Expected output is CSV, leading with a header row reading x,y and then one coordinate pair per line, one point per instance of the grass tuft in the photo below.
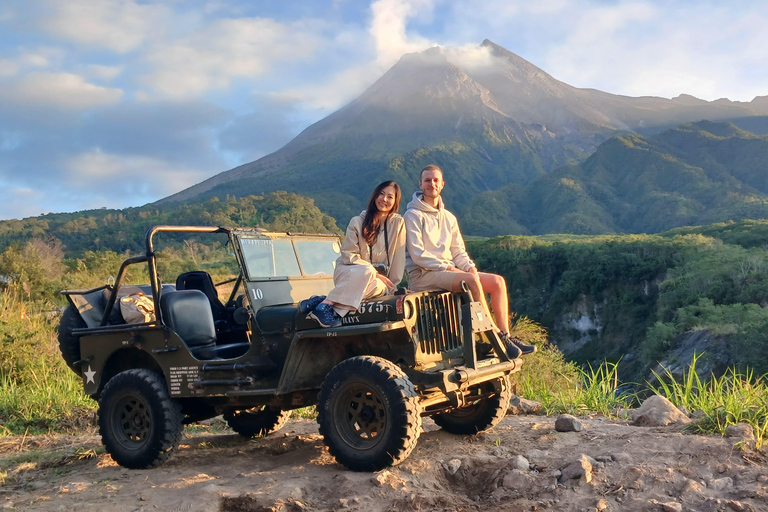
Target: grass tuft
x,y
38,393
734,397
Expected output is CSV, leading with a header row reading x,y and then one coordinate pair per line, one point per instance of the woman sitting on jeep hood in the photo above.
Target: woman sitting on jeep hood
x,y
372,259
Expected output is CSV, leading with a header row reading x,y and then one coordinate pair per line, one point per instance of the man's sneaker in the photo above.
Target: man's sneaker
x,y
512,351
522,347
325,315
311,303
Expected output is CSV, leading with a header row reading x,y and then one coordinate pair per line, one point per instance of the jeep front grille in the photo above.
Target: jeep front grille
x,y
438,323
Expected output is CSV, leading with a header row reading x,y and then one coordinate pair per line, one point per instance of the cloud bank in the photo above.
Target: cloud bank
x,y
122,102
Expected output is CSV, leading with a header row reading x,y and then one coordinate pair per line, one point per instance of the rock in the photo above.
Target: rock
x,y
604,458
517,480
590,460
697,416
622,457
535,454
567,423
672,506
691,486
521,463
389,479
522,406
601,505
739,506
657,411
452,466
740,430
581,468
500,451
721,483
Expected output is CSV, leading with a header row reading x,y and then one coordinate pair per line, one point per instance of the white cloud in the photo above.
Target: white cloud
x,y
334,93
118,25
63,90
104,72
21,202
224,51
664,52
8,67
129,175
389,28
388,31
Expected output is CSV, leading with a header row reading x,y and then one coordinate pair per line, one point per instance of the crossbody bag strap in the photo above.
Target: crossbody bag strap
x,y
386,246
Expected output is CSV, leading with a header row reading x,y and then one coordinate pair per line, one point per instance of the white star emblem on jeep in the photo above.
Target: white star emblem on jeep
x,y
89,375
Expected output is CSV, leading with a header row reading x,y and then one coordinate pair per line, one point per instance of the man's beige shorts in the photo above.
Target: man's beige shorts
x,y
421,280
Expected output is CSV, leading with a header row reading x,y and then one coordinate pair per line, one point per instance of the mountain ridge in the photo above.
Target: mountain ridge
x,y
491,121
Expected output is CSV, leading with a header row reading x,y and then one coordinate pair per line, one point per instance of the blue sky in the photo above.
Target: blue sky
x,y
121,102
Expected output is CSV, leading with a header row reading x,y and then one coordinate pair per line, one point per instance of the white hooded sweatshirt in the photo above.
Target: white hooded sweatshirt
x,y
433,240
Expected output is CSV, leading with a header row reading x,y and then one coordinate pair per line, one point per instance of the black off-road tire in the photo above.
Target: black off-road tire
x,y
69,344
479,415
369,413
257,421
140,424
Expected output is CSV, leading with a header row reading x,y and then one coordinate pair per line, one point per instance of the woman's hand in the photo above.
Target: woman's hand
x,y
386,281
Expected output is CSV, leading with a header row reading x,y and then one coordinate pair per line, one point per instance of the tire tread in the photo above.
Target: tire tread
x,y
406,412
171,421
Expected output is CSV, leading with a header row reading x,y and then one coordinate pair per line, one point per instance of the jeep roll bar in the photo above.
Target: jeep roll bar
x,y
154,281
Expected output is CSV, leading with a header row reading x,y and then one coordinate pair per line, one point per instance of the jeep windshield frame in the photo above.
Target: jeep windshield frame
x,y
286,256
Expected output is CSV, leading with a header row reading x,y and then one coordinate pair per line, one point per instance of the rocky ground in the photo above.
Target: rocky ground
x,y
522,464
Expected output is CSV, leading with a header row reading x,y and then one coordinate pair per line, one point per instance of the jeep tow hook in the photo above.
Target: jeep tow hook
x,y
459,376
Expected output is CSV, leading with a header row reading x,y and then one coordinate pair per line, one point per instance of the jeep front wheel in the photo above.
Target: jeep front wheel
x,y
368,413
480,414
140,424
257,421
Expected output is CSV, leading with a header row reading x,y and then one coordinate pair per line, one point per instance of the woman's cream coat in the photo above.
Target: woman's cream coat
x,y
354,277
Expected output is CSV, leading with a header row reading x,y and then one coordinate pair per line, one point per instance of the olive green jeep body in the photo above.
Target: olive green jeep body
x,y
255,357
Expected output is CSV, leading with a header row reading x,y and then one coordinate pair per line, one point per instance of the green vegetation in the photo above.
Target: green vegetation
x,y
124,230
634,298
562,386
500,181
38,392
735,397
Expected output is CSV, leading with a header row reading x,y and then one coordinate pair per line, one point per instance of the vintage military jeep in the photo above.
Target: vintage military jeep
x,y
255,357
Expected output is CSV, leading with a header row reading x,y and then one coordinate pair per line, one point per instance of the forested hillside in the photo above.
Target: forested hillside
x,y
640,298
124,230
699,173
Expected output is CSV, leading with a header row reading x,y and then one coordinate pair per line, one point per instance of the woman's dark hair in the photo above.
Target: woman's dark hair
x,y
372,222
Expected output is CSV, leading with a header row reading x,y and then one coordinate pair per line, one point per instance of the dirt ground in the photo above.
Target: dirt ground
x,y
636,468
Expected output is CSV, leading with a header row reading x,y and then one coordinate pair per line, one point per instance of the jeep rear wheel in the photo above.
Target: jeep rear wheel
x,y
368,413
140,424
480,414
257,421
69,344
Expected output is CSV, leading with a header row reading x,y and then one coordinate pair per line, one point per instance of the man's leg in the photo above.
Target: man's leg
x,y
475,286
496,287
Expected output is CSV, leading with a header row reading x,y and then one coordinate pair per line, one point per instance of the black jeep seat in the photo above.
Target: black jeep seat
x,y
188,314
200,280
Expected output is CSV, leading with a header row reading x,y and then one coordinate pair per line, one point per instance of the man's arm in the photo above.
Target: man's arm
x,y
414,241
461,259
